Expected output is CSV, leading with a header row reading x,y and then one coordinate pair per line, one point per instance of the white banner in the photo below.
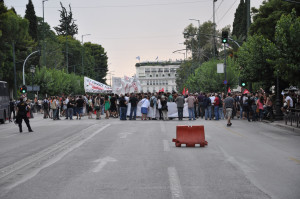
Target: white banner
x,y
92,86
126,85
172,110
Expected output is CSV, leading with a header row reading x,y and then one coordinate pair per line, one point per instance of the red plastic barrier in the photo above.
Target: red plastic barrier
x,y
190,135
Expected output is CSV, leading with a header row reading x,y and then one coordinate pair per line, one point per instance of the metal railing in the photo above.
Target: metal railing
x,y
293,117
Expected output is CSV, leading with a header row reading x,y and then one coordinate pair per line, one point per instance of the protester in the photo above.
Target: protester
x,y
145,107
97,107
228,105
153,104
106,106
216,106
22,109
133,108
191,100
260,104
123,107
159,107
164,108
180,105
207,106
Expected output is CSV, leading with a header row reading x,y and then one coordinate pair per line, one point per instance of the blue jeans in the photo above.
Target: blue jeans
x,y
54,114
217,112
123,113
191,113
70,113
241,112
132,110
221,113
208,112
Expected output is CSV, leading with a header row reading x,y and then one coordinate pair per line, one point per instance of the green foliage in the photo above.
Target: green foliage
x,y
287,37
57,82
264,21
67,24
240,21
31,17
207,79
253,62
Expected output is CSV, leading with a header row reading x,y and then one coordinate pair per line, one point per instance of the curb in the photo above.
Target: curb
x,y
283,126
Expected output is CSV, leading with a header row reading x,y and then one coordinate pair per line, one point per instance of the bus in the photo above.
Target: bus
x,y
4,102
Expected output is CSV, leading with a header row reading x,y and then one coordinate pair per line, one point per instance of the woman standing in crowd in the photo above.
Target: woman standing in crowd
x,y
106,106
159,107
260,105
145,107
164,108
90,107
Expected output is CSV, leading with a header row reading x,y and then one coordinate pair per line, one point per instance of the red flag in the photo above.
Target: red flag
x,y
229,91
246,91
183,92
187,91
162,90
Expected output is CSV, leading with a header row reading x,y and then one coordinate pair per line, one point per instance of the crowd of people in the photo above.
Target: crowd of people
x,y
250,106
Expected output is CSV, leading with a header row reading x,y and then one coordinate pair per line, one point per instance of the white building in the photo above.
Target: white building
x,y
155,76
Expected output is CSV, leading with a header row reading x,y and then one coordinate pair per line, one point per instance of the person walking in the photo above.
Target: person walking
x,y
22,109
180,105
133,102
191,103
228,105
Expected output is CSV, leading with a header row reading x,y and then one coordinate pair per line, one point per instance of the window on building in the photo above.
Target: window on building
x,y
160,70
163,75
147,82
156,75
153,70
166,70
147,70
172,70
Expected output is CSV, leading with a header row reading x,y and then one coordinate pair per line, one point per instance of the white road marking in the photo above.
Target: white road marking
x,y
102,162
166,145
124,135
56,158
175,184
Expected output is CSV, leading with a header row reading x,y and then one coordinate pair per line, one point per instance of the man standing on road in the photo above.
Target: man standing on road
x,y
228,105
133,102
180,105
22,109
191,100
80,104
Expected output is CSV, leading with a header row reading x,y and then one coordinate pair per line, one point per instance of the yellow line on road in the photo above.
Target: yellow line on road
x,y
295,160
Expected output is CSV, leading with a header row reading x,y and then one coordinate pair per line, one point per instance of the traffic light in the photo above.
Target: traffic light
x,y
243,84
23,89
224,37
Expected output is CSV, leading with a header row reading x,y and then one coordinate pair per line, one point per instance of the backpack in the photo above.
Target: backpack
x,y
151,103
45,104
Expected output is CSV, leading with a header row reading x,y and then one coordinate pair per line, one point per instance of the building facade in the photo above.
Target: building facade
x,y
155,76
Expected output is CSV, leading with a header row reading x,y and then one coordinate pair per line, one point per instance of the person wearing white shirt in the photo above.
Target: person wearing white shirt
x,y
145,104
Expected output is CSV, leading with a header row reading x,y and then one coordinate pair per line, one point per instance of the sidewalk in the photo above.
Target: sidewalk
x,y
281,124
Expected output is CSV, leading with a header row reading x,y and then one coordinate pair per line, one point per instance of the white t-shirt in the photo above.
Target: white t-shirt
x,y
212,99
145,103
291,101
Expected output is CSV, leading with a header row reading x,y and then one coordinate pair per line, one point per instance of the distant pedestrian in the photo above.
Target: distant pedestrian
x,y
133,102
12,106
106,106
153,104
46,108
123,107
180,105
145,107
191,103
164,108
70,107
228,105
207,106
80,103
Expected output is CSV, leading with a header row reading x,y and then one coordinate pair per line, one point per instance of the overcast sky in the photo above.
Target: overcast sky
x,y
131,28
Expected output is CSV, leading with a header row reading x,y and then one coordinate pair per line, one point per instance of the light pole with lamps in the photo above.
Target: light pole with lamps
x,y
32,70
82,52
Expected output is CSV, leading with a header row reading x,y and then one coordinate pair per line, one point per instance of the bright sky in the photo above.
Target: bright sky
x,y
131,28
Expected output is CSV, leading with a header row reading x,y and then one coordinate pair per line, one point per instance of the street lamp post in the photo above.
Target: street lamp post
x,y
43,54
82,52
32,70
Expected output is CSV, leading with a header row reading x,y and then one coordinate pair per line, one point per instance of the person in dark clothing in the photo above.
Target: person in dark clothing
x,y
12,109
22,109
80,103
123,107
133,101
200,105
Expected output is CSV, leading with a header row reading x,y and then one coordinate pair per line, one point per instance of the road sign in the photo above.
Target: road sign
x,y
225,82
220,68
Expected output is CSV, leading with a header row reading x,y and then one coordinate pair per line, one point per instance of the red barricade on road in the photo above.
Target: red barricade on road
x,y
190,135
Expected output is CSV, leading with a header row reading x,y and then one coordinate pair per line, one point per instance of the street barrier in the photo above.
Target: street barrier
x,y
190,135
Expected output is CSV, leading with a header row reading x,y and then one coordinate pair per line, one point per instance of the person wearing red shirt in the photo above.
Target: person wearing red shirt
x,y
216,105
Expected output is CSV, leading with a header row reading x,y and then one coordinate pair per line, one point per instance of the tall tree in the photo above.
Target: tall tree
x,y
240,21
67,24
31,17
266,17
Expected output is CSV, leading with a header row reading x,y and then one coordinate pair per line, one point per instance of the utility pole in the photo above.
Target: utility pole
x,y
248,15
67,57
15,73
214,21
43,52
225,69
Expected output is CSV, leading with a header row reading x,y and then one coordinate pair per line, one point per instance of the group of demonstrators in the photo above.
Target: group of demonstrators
x,y
209,106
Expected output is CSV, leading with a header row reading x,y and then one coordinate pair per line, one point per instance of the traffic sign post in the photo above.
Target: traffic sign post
x,y
225,82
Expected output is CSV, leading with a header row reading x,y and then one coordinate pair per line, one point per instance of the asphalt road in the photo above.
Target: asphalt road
x,y
137,159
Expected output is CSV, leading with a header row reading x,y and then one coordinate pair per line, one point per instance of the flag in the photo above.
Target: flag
x,y
246,91
183,92
156,58
187,91
229,91
138,58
